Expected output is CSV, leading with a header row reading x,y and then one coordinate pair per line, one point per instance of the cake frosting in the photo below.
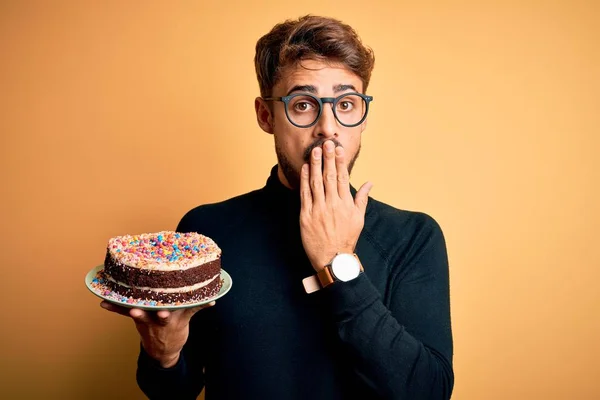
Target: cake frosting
x,y
165,266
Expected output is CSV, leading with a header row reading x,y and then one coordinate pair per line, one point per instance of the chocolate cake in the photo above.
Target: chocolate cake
x,y
167,267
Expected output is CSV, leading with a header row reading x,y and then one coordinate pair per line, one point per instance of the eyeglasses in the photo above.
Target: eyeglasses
x,y
304,109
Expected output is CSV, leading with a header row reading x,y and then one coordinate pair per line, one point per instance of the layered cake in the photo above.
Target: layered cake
x,y
166,267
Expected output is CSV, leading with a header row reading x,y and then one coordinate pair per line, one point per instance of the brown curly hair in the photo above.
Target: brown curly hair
x,y
310,37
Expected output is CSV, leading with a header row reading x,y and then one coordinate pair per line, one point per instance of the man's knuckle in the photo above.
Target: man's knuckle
x,y
343,178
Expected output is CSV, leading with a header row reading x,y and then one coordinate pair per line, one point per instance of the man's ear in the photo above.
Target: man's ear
x,y
263,115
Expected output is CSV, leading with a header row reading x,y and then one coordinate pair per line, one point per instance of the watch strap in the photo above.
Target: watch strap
x,y
311,284
321,279
325,276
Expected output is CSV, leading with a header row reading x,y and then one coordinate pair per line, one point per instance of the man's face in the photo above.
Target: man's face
x,y
293,144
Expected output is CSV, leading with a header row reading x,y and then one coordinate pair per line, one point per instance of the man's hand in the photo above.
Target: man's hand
x,y
162,333
330,219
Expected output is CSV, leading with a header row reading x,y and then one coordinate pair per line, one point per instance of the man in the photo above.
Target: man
x,y
335,295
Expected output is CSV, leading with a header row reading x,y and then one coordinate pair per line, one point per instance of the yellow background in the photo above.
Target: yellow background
x,y
118,116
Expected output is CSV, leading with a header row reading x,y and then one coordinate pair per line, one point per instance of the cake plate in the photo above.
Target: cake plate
x,y
94,282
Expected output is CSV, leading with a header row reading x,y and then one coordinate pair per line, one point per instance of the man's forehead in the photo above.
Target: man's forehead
x,y
319,76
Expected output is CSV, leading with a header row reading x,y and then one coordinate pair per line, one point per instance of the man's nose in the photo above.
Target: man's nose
x,y
327,125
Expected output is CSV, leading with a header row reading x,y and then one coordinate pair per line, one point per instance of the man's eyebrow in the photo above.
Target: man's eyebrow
x,y
342,87
303,88
313,89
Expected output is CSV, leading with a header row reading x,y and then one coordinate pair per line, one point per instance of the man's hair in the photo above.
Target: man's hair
x,y
310,37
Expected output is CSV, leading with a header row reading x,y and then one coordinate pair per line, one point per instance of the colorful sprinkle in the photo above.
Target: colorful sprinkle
x,y
150,250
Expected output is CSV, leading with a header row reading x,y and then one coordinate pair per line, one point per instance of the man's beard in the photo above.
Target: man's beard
x,y
293,175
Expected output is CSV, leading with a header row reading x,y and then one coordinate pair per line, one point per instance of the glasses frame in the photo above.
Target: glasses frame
x,y
323,100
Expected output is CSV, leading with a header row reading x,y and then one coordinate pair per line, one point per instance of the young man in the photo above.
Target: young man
x,y
335,295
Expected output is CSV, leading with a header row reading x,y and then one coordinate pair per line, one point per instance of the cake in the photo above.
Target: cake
x,y
166,267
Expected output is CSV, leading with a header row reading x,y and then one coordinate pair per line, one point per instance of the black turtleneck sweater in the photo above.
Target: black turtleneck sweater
x,y
385,334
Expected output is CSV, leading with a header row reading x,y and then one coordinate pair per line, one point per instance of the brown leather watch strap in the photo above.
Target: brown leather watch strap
x,y
325,277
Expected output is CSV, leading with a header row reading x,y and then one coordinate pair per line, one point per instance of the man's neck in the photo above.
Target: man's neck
x,y
282,178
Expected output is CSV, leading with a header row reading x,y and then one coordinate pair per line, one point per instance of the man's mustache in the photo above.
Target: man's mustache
x,y
318,143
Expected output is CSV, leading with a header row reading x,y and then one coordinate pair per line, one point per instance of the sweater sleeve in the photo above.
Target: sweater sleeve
x,y
401,345
177,382
185,380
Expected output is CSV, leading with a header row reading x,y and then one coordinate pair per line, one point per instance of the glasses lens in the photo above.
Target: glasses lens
x,y
350,109
303,110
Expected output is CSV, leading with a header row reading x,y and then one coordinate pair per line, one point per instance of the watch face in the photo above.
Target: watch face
x,y
345,267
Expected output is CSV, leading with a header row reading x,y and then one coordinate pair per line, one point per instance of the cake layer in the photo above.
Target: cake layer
x,y
210,289
152,278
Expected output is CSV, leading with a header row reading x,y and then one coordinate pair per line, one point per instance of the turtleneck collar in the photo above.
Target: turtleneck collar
x,y
281,195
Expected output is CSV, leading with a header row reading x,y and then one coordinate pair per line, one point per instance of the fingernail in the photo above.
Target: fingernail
x,y
329,146
339,150
317,152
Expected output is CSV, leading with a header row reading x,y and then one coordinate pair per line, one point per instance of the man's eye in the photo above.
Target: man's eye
x,y
345,105
303,106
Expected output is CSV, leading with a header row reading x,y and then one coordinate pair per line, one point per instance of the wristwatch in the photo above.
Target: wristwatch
x,y
343,267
